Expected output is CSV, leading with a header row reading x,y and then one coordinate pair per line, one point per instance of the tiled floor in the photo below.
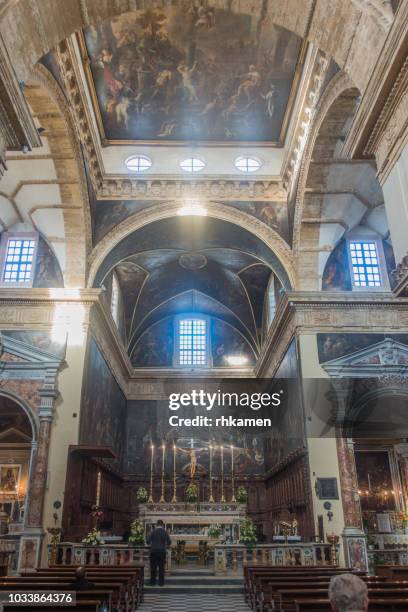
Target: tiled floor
x,y
181,602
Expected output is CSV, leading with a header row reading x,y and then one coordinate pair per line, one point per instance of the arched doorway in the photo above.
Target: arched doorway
x,y
18,442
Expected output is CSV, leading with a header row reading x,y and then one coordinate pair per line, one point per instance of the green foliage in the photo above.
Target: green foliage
x,y
192,493
248,533
241,495
93,538
142,495
214,531
137,533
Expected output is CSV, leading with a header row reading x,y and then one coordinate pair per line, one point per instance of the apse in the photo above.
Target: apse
x,y
203,266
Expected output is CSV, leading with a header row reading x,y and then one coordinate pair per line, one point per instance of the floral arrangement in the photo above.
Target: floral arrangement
x,y
96,512
137,535
248,533
142,495
192,493
241,495
93,538
214,531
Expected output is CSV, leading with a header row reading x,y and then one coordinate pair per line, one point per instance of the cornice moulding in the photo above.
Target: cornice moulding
x,y
384,88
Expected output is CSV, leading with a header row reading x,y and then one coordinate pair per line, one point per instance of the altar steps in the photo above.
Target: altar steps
x,y
162,601
198,582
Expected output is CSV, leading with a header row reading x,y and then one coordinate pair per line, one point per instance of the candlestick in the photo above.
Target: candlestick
x,y
174,500
232,475
222,476
98,488
211,500
151,475
162,478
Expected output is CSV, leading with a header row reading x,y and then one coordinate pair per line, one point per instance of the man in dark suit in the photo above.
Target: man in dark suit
x,y
158,540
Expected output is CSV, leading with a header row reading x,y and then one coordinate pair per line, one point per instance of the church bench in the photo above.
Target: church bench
x,y
393,572
285,600
136,571
86,605
267,587
109,596
252,573
134,575
376,605
122,595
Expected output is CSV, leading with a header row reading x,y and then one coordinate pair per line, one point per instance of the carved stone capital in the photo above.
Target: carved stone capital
x,y
400,275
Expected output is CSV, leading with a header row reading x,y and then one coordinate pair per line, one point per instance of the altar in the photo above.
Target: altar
x,y
191,522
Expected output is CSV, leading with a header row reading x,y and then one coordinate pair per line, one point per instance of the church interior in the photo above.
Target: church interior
x,y
204,195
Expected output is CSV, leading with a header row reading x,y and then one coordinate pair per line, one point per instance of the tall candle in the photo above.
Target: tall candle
x,y
232,475
151,474
222,475
98,488
162,479
211,500
174,474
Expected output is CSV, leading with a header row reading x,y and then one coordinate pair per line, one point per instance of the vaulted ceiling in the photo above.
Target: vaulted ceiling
x,y
193,264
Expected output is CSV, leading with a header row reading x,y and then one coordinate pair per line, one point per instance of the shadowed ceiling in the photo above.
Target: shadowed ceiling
x,y
192,72
202,265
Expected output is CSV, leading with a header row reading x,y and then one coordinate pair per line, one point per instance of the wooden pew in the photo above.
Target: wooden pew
x,y
267,589
98,595
287,597
393,572
135,571
253,573
377,605
131,576
121,597
90,605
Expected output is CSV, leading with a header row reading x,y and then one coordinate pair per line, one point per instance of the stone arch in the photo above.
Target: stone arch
x,y
334,111
27,409
169,209
360,25
49,104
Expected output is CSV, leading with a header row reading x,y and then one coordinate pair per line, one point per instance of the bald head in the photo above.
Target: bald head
x,y
348,593
80,572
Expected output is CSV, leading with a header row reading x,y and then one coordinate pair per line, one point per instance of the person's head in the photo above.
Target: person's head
x,y
348,593
160,523
80,572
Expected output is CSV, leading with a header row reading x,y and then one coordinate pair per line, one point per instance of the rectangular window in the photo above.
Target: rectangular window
x,y
18,264
365,264
193,342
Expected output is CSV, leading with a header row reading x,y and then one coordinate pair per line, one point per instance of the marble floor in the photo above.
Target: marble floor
x,y
163,601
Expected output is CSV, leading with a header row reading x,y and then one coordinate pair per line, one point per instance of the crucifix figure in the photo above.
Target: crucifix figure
x,y
192,453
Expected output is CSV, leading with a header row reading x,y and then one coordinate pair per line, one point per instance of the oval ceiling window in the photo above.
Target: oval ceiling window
x,y
192,164
138,163
247,164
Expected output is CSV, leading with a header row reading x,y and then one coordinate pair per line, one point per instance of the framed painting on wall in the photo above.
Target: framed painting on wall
x,y
9,478
29,553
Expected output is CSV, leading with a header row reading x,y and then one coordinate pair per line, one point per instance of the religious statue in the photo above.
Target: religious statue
x,y
193,455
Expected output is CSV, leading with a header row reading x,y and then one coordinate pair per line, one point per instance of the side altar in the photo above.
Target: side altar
x,y
191,522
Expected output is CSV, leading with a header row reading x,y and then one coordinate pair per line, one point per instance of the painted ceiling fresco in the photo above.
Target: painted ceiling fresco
x,y
192,72
332,346
273,214
107,214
